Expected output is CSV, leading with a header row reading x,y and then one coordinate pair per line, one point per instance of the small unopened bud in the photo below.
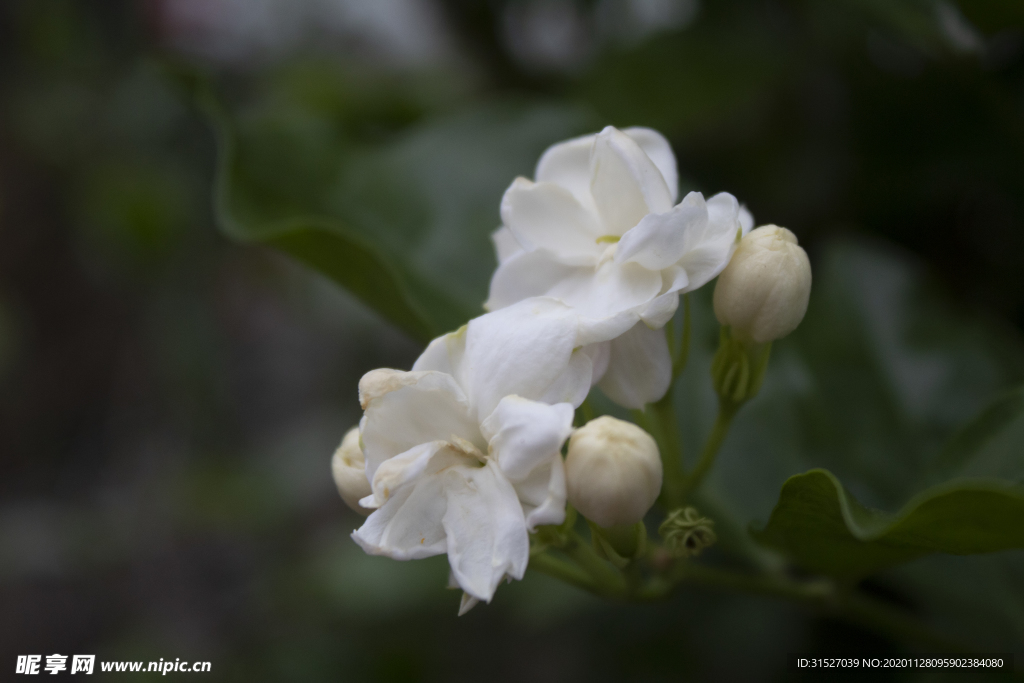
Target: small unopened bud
x,y
612,472
762,294
349,469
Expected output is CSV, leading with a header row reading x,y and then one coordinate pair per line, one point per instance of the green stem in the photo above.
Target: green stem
x,y
593,574
725,579
588,410
643,420
663,416
670,338
559,569
726,411
671,449
679,364
608,580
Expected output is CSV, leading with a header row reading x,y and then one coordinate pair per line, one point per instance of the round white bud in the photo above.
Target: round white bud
x,y
612,472
762,294
349,469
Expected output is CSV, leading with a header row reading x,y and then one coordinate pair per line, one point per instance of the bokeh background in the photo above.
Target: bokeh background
x,y
170,397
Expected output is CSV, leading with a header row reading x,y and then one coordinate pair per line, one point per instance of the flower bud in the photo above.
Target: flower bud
x,y
349,469
612,472
762,294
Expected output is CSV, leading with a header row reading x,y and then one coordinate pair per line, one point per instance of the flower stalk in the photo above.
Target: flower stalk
x,y
683,354
546,563
663,416
821,595
727,409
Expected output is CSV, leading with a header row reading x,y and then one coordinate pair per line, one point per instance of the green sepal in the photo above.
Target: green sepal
x,y
737,370
619,544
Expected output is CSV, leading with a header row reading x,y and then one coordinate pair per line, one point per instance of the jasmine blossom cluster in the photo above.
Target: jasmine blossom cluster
x,y
462,455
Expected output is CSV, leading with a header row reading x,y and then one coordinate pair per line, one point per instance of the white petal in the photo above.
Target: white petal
x,y
417,408
485,527
660,240
408,525
724,214
377,383
625,183
543,494
405,469
674,279
708,253
568,165
608,291
640,369
607,298
525,349
505,244
547,216
444,354
525,275
657,148
597,330
599,354
525,434
661,309
573,385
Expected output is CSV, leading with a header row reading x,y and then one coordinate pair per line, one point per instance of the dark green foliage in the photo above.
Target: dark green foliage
x,y
821,527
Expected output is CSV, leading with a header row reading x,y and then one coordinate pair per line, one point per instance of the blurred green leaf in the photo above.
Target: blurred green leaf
x,y
819,525
992,444
403,224
266,193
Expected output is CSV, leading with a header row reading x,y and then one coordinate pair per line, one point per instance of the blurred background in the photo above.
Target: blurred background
x,y
170,398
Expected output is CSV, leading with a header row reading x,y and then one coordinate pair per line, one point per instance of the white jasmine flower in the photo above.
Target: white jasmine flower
x,y
463,452
600,230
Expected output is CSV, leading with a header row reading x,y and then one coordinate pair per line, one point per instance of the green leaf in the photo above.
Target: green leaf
x,y
991,445
819,525
356,266
402,222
